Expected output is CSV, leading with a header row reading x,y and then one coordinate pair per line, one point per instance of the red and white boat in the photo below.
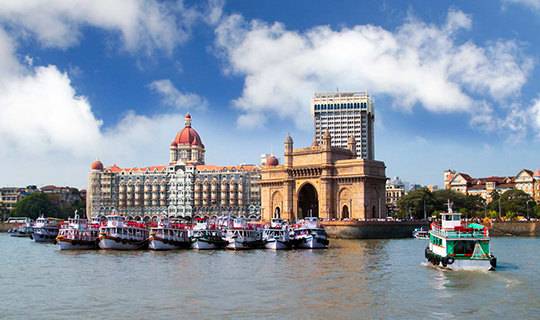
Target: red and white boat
x,y
243,236
277,235
206,235
167,234
78,234
117,233
309,235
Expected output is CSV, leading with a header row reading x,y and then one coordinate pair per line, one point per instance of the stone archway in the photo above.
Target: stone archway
x,y
345,212
345,200
277,213
308,202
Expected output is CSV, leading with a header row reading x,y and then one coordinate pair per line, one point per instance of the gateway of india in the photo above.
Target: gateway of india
x,y
187,187
335,178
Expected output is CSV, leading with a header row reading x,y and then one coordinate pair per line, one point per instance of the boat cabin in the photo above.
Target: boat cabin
x,y
450,220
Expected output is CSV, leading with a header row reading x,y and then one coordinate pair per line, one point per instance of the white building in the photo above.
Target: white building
x,y
345,114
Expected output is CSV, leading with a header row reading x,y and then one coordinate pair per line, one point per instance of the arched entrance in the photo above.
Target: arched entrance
x,y
277,213
345,212
308,202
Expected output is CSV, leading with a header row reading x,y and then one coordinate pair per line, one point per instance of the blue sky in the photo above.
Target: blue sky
x,y
456,84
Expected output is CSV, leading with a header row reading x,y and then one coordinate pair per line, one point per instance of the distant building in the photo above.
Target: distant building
x,y
345,114
433,188
525,180
395,189
62,196
414,186
11,195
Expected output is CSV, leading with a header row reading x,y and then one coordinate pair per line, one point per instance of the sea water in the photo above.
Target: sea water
x,y
352,279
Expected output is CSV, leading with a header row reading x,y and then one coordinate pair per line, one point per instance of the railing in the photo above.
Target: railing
x,y
460,232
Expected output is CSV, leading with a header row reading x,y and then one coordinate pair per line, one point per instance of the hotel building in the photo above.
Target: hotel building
x,y
186,187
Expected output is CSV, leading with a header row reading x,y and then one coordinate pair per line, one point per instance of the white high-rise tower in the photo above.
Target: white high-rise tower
x,y
345,114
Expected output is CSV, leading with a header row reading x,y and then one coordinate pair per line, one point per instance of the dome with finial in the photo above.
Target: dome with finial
x,y
272,161
188,135
326,134
288,139
97,165
314,144
537,174
352,140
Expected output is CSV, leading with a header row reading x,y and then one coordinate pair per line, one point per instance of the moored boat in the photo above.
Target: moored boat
x,y
24,230
455,244
241,236
78,234
46,229
309,235
420,233
206,235
168,234
117,233
277,235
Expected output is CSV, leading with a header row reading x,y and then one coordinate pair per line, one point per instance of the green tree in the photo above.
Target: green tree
x,y
414,203
34,204
493,214
516,201
510,215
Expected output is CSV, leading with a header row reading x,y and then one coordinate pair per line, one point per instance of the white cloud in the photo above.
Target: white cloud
x,y
419,63
171,96
533,4
48,132
141,25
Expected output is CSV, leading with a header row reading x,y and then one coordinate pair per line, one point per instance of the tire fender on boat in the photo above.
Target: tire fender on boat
x,y
450,260
444,261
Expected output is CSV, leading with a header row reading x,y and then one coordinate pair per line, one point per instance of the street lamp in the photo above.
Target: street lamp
x,y
528,200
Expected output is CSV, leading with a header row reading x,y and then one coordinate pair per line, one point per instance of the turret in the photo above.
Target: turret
x,y
288,151
351,144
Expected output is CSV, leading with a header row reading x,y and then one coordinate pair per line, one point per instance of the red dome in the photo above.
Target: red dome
x,y
272,161
97,165
188,136
188,116
174,144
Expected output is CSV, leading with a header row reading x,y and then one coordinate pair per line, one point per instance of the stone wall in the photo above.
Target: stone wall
x,y
372,229
4,227
514,228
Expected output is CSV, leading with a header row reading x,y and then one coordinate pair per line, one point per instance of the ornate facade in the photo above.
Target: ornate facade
x,y
323,181
525,180
184,188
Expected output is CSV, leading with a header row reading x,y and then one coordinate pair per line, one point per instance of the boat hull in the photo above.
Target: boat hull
x,y
156,243
276,244
311,243
44,236
20,235
115,243
68,244
205,244
244,244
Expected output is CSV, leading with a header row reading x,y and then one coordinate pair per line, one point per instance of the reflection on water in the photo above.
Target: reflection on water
x,y
352,279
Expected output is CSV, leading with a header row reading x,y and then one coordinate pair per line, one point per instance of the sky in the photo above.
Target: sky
x,y
456,84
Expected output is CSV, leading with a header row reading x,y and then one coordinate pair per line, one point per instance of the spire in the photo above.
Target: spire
x,y
188,120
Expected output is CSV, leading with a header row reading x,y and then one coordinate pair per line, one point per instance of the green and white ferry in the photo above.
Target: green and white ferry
x,y
456,245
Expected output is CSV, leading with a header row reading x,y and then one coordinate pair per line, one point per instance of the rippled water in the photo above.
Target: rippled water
x,y
353,279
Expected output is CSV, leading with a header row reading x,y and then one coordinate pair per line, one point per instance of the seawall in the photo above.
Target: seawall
x,y
4,227
373,229
514,228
